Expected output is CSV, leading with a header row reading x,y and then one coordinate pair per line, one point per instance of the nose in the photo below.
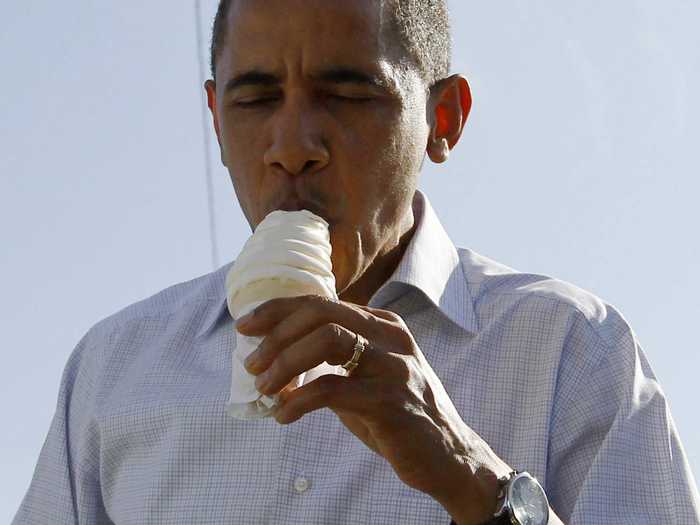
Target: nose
x,y
297,144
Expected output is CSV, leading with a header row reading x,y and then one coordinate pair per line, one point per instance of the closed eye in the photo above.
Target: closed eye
x,y
345,98
255,101
258,102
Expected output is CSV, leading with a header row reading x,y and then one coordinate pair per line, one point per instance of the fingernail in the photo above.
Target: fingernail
x,y
245,319
262,380
251,361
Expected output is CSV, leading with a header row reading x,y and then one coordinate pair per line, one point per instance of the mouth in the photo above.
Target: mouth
x,y
300,204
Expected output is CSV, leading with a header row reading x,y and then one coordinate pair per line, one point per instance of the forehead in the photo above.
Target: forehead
x,y
303,34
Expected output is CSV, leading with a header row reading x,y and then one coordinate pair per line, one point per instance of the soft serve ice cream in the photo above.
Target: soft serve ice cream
x,y
289,254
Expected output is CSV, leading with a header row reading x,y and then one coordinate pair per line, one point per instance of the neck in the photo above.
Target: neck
x,y
362,290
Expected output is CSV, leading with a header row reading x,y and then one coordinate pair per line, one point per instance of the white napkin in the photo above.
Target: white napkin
x,y
245,402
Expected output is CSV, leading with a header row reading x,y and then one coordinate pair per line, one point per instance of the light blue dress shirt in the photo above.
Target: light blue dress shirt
x,y
551,376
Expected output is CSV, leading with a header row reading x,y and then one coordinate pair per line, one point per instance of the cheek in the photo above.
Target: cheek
x,y
396,141
241,143
244,152
365,127
368,155
405,153
248,180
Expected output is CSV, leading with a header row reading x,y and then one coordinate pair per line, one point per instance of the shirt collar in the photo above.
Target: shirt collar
x,y
430,264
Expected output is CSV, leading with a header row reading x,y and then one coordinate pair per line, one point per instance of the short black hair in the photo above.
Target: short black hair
x,y
422,28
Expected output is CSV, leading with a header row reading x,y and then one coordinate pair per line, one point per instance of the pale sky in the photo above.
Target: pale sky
x,y
579,161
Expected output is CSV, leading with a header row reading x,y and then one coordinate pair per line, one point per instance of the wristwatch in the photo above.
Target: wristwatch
x,y
521,501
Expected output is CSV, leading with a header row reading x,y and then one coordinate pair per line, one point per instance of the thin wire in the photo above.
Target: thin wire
x,y
205,133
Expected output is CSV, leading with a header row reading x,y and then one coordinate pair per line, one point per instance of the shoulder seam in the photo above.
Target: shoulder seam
x,y
586,314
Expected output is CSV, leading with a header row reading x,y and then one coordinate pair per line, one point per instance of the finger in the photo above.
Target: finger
x,y
387,315
310,313
331,343
335,392
268,314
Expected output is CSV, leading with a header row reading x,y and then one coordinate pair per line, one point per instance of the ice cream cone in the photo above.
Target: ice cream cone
x,y
287,256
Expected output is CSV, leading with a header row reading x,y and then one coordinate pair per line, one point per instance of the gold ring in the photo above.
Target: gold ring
x,y
360,344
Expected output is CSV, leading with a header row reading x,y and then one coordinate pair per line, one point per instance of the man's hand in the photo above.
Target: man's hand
x,y
393,401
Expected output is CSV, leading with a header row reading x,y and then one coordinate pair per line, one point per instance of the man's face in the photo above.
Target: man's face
x,y
312,111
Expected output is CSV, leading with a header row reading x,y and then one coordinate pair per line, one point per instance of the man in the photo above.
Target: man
x,y
466,369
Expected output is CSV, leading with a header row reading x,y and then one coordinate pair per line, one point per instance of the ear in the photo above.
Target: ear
x,y
210,88
449,105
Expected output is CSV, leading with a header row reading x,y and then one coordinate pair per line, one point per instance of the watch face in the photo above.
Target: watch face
x,y
528,501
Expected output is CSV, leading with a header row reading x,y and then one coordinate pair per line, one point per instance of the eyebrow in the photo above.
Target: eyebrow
x,y
335,75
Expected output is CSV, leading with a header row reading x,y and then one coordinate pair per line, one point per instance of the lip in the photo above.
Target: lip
x,y
291,205
297,205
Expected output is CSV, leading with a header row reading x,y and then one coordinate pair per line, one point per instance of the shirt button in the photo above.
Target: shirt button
x,y
301,484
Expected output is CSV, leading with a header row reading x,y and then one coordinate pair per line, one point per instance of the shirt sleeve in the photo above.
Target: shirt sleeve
x,y
615,456
65,487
